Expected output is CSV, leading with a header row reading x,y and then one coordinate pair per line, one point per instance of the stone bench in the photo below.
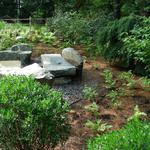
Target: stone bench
x,y
57,65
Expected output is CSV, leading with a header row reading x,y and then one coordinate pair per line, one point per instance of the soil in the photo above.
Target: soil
x,y
115,116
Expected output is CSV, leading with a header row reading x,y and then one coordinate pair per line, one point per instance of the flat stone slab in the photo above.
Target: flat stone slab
x,y
57,65
11,63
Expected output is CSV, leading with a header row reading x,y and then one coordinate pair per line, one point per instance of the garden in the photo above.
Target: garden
x,y
108,107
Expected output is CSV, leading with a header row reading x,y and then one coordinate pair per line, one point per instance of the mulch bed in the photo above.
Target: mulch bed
x,y
115,116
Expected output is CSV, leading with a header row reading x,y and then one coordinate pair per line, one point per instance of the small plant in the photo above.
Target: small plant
x,y
113,95
127,79
109,81
32,116
93,108
89,93
137,114
97,126
145,82
96,66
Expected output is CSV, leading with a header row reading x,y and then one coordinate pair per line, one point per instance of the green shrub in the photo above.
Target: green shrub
x,y
134,136
32,116
126,42
72,27
78,28
108,36
136,46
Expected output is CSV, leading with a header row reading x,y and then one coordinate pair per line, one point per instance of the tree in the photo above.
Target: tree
x,y
8,8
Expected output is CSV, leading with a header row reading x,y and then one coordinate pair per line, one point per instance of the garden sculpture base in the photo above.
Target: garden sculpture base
x,y
57,65
21,52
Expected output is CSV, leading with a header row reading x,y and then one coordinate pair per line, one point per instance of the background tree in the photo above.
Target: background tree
x,y
8,8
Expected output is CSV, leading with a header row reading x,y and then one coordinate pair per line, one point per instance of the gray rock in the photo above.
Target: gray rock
x,y
21,52
74,58
57,65
21,47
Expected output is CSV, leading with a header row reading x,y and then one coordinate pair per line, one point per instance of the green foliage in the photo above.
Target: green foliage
x,y
113,96
109,81
89,93
134,136
32,116
127,79
137,114
145,82
97,126
96,66
108,36
93,108
36,8
8,8
71,26
136,46
10,32
126,41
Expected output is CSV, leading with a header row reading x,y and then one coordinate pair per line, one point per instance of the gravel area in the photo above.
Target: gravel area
x,y
72,92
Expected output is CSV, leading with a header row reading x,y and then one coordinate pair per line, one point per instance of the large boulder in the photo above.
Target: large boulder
x,y
57,65
74,58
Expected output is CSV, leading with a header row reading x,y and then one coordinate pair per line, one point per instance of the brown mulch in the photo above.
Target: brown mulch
x,y
115,116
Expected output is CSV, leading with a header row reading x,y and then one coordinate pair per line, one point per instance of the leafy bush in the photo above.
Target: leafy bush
x,y
71,26
126,42
108,36
134,136
136,46
32,116
78,28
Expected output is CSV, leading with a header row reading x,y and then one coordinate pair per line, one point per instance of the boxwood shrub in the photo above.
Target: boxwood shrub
x,y
32,116
134,136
